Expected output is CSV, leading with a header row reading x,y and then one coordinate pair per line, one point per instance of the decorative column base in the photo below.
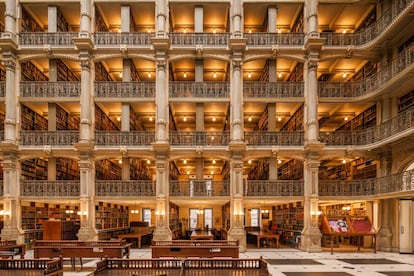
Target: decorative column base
x,y
87,234
311,240
12,234
161,234
238,234
384,237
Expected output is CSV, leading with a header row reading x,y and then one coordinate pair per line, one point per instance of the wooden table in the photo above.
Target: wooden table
x,y
137,236
202,235
354,234
263,234
10,249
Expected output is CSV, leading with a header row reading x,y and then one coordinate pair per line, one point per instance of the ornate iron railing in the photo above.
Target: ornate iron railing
x,y
46,188
124,138
282,89
120,89
1,187
199,188
186,89
135,39
369,84
371,32
203,39
48,138
199,138
125,188
37,39
2,89
49,89
402,122
273,188
269,39
267,138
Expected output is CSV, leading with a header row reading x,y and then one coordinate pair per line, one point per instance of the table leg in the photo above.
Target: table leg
x,y
258,242
139,242
332,242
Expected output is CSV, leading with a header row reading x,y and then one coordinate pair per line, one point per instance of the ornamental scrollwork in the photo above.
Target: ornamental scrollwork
x,y
313,64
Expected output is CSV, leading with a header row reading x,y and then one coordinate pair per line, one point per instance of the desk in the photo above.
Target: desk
x,y
202,235
13,249
262,234
358,235
137,236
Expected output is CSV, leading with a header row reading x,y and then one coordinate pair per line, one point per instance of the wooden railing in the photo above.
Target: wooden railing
x,y
44,266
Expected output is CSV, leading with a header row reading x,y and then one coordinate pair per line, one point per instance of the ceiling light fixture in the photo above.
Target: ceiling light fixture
x,y
118,119
249,119
344,31
214,75
249,75
150,119
148,161
120,161
214,161
185,119
250,161
214,118
344,75
279,118
346,118
343,161
280,75
279,161
250,31
214,31
185,30
149,75
185,75
185,161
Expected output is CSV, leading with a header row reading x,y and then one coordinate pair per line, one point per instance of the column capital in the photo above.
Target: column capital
x,y
9,62
313,64
85,63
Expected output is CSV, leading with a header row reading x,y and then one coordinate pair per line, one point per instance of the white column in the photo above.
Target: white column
x,y
161,101
86,132
10,17
125,19
9,62
161,14
236,16
272,19
52,19
85,17
311,13
311,102
236,100
87,194
126,109
162,230
198,19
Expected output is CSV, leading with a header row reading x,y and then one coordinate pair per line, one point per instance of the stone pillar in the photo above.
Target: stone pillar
x,y
126,109
10,18
161,101
125,19
236,100
87,194
9,61
198,19
85,18
311,101
52,19
311,235
51,168
199,162
161,15
385,233
386,110
86,127
311,15
236,18
162,230
272,19
126,166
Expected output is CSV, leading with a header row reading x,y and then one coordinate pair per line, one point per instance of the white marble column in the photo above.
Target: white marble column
x,y
236,26
161,101
311,102
272,19
10,18
236,99
52,19
125,18
198,19
162,230
126,109
86,131
85,18
161,15
87,195
9,62
311,14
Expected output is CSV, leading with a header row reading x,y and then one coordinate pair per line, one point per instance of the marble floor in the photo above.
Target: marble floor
x,y
292,262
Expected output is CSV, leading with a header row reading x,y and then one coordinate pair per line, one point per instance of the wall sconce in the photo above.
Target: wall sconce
x,y
239,218
214,75
82,213
4,213
69,211
249,75
346,208
200,211
134,211
264,211
185,75
316,213
149,75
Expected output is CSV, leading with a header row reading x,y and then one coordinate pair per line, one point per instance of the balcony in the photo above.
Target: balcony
x,y
269,39
49,138
199,138
366,86
200,39
264,188
404,121
281,138
117,39
38,39
46,188
197,90
199,188
118,89
370,33
125,188
255,89
2,89
49,89
124,138
1,187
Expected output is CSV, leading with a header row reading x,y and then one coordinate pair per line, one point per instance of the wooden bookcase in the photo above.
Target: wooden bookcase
x,y
66,121
60,230
64,73
364,168
295,122
101,74
28,23
260,171
291,170
32,120
111,216
67,169
100,24
297,27
174,172
103,122
365,119
174,223
287,220
135,121
263,122
405,102
225,217
297,73
107,170
30,72
139,170
34,169
62,23
264,74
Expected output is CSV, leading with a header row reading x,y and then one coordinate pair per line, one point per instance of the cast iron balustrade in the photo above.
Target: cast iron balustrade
x,y
125,188
1,187
371,32
271,138
124,138
404,121
199,138
1,135
116,39
368,85
2,89
120,89
401,182
273,188
269,39
49,138
39,39
186,89
47,188
281,89
199,188
49,89
196,39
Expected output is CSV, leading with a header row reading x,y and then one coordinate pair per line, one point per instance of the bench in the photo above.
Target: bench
x,y
136,236
195,248
31,267
228,266
258,235
10,248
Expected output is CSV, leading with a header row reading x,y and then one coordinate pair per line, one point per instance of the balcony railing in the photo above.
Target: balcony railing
x,y
124,138
368,187
49,138
199,138
46,188
37,39
281,138
185,89
1,188
283,89
203,188
2,89
118,89
371,32
116,39
195,39
402,122
369,84
49,89
125,188
269,39
273,188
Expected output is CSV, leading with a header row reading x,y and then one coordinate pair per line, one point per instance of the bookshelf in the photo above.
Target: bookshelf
x,y
263,122
287,221
264,74
28,23
103,122
135,123
107,170
2,74
225,217
139,170
100,23
64,73
291,170
366,119
32,120
174,172
62,23
174,223
406,101
260,171
364,168
67,169
34,169
111,216
295,122
297,27
66,121
297,73
101,74
30,72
